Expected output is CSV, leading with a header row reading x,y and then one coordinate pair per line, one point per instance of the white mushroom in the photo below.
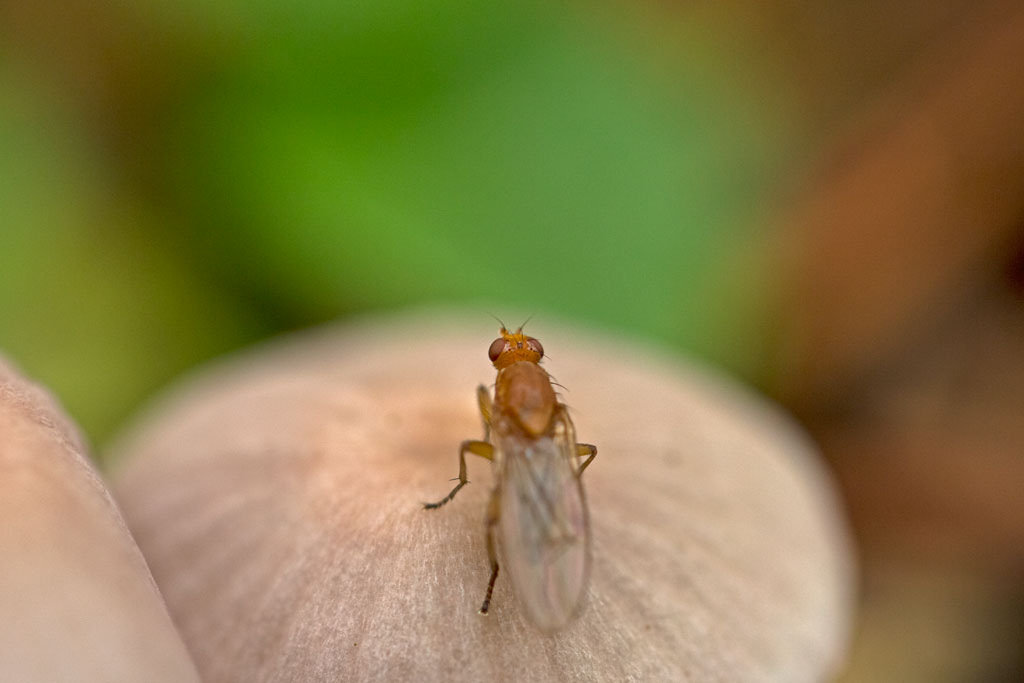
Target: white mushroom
x,y
77,602
277,499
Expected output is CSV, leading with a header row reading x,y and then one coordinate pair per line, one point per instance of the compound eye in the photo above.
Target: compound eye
x,y
535,345
497,346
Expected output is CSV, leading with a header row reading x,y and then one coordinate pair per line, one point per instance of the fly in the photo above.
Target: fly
x,y
537,509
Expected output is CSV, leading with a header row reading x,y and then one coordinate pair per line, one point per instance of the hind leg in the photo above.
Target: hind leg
x,y
493,514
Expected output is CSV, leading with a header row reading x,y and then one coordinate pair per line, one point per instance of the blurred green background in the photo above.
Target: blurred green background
x,y
825,198
180,179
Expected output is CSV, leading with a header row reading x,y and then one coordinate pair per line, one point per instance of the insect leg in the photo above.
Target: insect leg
x,y
483,399
585,449
481,448
582,449
493,514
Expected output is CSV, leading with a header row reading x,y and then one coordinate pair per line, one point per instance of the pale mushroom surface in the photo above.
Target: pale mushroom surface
x,y
77,602
278,498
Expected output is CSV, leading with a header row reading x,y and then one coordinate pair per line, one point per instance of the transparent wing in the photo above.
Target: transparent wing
x,y
545,536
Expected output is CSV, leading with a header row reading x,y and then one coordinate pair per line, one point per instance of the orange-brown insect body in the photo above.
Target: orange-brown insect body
x,y
537,507
523,390
523,393
512,347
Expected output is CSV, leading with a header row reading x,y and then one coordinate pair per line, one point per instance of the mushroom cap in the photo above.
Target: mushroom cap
x,y
76,599
277,498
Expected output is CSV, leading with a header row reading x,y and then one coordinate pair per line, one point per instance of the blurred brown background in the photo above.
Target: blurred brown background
x,y
849,234
902,341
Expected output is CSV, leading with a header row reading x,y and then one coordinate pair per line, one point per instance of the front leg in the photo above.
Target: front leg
x,y
481,448
483,400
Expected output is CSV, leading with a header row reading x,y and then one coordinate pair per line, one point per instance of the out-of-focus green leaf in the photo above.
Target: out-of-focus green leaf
x,y
90,303
302,160
374,156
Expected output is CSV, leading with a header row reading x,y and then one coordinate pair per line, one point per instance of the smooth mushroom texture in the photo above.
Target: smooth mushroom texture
x,y
278,500
77,602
